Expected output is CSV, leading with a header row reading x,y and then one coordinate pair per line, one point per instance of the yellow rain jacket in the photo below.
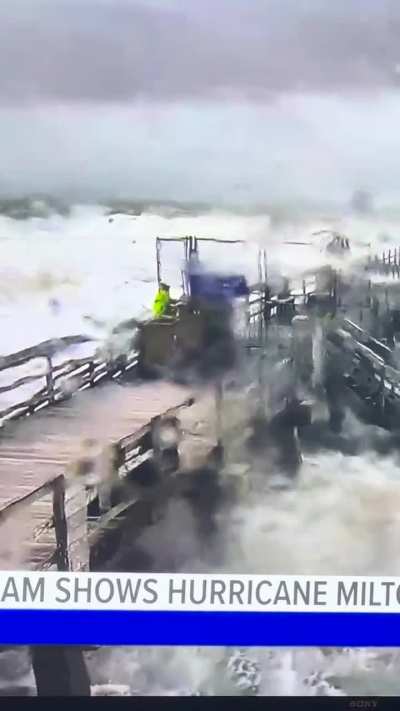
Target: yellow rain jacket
x,y
161,303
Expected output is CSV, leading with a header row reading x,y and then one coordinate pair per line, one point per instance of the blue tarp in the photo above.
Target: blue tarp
x,y
216,288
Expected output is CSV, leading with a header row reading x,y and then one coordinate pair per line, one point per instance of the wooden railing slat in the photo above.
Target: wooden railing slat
x,y
41,350
20,382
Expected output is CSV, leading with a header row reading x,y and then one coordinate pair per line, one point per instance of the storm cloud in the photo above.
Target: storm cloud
x,y
203,100
124,50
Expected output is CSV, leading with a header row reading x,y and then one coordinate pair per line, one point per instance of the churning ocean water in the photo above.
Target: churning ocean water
x,y
83,273
57,270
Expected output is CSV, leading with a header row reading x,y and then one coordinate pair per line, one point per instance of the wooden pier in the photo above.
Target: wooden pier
x,y
67,452
60,469
82,453
78,462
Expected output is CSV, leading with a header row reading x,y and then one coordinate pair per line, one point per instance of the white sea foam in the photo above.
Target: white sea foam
x,y
341,518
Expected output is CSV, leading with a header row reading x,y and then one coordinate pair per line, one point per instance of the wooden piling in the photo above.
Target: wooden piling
x,y
77,528
60,671
107,474
49,379
60,524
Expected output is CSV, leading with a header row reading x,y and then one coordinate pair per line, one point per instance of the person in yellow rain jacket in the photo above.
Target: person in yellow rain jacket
x,y
162,302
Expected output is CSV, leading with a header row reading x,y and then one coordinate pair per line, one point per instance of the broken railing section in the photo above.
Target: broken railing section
x,y
61,380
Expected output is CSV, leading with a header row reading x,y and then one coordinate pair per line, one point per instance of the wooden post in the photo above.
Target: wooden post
x,y
77,528
91,373
218,408
60,671
166,458
382,392
49,379
70,523
60,524
265,265
158,257
107,474
369,291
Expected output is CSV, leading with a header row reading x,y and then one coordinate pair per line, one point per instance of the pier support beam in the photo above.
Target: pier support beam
x,y
335,401
60,671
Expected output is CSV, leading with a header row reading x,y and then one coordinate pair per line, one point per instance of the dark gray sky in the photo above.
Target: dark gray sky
x,y
103,50
200,99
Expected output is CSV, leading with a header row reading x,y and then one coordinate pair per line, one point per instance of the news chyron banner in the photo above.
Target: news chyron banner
x,y
198,610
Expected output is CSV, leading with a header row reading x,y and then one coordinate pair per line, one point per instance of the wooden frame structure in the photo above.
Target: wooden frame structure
x,y
191,246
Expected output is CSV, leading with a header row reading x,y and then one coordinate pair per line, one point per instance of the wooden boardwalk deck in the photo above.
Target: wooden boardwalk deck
x,y
49,443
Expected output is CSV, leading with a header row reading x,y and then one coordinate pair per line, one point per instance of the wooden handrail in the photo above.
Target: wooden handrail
x,y
123,454
41,350
20,382
27,499
56,486
88,371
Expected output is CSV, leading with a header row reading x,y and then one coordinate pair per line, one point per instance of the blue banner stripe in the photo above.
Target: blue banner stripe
x,y
243,629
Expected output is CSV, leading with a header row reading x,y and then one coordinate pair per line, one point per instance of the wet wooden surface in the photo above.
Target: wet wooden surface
x,y
40,447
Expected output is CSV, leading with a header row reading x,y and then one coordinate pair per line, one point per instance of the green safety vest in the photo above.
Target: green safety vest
x,y
161,303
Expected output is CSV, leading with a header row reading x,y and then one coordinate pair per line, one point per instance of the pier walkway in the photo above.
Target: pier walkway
x,y
53,464
68,450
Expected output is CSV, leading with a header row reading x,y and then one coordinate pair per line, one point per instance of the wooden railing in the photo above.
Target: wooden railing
x,y
261,309
364,338
387,263
60,380
74,531
368,351
56,487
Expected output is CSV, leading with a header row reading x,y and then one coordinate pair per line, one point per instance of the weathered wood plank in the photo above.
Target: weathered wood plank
x,y
48,443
